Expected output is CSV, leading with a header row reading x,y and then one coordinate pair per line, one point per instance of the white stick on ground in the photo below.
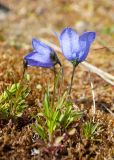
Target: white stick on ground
x,y
106,76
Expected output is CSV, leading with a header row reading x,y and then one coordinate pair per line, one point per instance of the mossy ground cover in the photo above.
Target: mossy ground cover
x,y
18,140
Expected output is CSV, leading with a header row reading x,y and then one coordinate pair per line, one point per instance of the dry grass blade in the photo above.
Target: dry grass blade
x,y
104,75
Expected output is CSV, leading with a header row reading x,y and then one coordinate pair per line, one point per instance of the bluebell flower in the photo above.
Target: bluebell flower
x,y
41,56
74,47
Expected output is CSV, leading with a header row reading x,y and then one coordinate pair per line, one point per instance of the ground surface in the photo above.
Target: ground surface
x,y
26,19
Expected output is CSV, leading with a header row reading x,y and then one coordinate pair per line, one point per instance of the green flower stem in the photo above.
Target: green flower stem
x,y
75,64
70,88
24,68
61,84
56,82
54,87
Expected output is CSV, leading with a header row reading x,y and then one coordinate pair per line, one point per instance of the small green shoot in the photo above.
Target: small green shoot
x,y
12,101
69,115
52,118
90,129
39,129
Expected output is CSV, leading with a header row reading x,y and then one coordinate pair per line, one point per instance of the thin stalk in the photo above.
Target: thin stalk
x,y
56,83
60,77
70,88
54,90
50,138
23,74
24,69
93,96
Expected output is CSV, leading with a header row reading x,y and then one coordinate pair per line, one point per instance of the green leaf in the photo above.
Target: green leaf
x,y
40,130
90,129
46,105
13,98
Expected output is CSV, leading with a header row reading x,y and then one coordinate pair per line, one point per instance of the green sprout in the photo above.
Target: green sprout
x,y
12,101
52,117
90,130
69,115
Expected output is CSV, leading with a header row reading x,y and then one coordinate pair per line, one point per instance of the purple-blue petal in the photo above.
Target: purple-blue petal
x,y
41,47
83,54
31,62
85,41
36,59
69,42
88,36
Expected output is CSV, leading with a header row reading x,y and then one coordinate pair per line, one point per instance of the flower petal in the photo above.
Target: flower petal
x,y
85,41
83,54
36,59
41,47
88,36
69,42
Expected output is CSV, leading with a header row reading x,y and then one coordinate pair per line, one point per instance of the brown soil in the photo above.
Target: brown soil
x,y
27,19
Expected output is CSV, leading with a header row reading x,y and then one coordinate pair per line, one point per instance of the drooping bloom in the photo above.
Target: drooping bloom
x,y
74,47
41,56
